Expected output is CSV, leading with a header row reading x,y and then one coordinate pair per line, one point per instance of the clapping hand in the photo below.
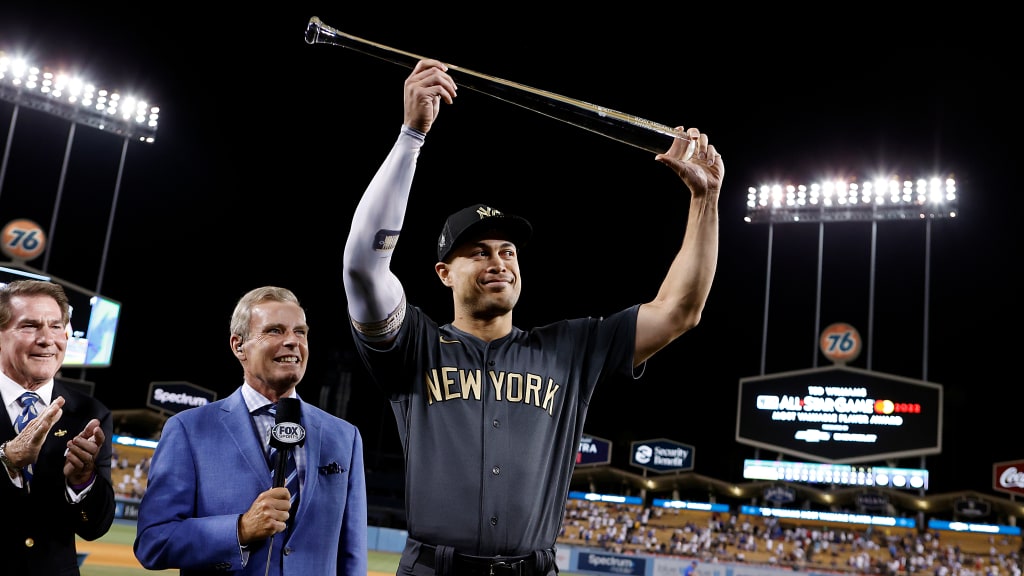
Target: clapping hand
x,y
80,457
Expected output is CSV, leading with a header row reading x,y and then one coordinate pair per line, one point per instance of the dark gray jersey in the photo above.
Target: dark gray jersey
x,y
490,430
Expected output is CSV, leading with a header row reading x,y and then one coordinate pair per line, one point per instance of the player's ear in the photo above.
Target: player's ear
x,y
443,272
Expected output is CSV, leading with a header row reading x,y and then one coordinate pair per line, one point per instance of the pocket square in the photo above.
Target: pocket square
x,y
331,468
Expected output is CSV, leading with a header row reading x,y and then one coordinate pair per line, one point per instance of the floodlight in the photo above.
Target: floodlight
x,y
843,200
76,100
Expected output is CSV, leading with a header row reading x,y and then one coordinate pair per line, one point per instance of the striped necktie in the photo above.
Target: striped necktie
x,y
291,480
29,411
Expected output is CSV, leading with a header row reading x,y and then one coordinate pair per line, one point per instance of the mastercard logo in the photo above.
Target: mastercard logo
x,y
890,407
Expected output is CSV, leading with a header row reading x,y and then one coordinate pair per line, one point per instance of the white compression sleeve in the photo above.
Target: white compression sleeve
x,y
375,295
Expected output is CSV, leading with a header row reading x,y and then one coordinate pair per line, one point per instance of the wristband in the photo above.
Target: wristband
x,y
417,134
84,485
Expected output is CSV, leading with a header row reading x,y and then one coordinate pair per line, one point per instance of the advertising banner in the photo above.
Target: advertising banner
x,y
593,451
174,397
661,455
1008,477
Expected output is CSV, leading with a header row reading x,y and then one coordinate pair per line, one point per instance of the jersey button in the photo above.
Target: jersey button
x,y
496,470
494,520
496,423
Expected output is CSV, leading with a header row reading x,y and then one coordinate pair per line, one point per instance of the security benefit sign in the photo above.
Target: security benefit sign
x,y
661,455
840,415
174,397
594,451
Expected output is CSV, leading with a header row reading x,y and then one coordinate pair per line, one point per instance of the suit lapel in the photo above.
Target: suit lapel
x,y
72,410
6,429
312,454
70,423
238,425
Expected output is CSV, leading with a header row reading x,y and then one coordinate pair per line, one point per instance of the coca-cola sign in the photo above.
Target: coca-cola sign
x,y
1008,477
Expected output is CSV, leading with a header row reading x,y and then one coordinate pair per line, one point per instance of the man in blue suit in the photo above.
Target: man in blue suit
x,y
211,506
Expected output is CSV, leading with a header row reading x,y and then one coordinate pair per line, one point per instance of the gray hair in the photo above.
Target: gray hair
x,y
242,315
28,288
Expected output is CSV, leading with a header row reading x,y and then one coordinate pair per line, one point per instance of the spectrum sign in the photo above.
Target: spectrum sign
x,y
840,415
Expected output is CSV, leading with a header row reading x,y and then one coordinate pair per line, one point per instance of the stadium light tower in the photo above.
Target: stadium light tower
x,y
881,199
79,102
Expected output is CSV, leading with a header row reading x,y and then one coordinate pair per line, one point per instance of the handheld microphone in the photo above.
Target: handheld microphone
x,y
286,434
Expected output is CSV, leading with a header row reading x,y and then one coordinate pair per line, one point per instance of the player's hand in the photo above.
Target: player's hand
x,y
696,162
267,516
24,448
80,457
425,88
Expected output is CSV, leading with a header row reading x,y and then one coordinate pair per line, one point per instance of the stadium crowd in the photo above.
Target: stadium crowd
x,y
716,537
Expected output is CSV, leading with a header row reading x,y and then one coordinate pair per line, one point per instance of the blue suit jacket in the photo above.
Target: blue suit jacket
x,y
209,467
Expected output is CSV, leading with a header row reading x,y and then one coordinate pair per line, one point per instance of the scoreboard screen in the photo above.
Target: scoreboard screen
x,y
840,415
93,324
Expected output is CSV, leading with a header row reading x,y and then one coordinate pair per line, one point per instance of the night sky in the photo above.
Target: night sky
x,y
265,144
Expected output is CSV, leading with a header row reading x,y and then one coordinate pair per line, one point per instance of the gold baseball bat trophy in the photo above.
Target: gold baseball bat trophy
x,y
644,134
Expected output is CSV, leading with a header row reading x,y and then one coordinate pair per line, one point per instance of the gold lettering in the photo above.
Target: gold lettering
x,y
498,381
549,398
514,387
533,384
433,388
450,383
471,384
487,212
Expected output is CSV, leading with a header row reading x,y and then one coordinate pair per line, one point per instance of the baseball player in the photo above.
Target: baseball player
x,y
490,416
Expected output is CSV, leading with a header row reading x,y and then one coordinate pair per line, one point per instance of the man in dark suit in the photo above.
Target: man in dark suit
x,y
57,467
211,505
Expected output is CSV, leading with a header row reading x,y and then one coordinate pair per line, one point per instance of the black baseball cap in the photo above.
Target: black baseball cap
x,y
476,219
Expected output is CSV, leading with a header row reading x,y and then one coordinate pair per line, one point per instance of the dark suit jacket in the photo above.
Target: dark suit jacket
x,y
209,467
40,525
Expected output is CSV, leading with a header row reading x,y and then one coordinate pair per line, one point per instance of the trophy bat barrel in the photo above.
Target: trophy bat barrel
x,y
626,128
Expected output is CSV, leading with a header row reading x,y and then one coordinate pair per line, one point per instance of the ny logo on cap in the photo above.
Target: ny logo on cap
x,y
487,212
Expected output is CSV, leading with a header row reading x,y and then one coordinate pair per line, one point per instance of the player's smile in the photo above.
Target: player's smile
x,y
499,283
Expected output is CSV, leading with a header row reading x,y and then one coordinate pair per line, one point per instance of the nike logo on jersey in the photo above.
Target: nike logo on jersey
x,y
447,341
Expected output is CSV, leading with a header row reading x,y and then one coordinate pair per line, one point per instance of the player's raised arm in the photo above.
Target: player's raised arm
x,y
684,291
375,296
